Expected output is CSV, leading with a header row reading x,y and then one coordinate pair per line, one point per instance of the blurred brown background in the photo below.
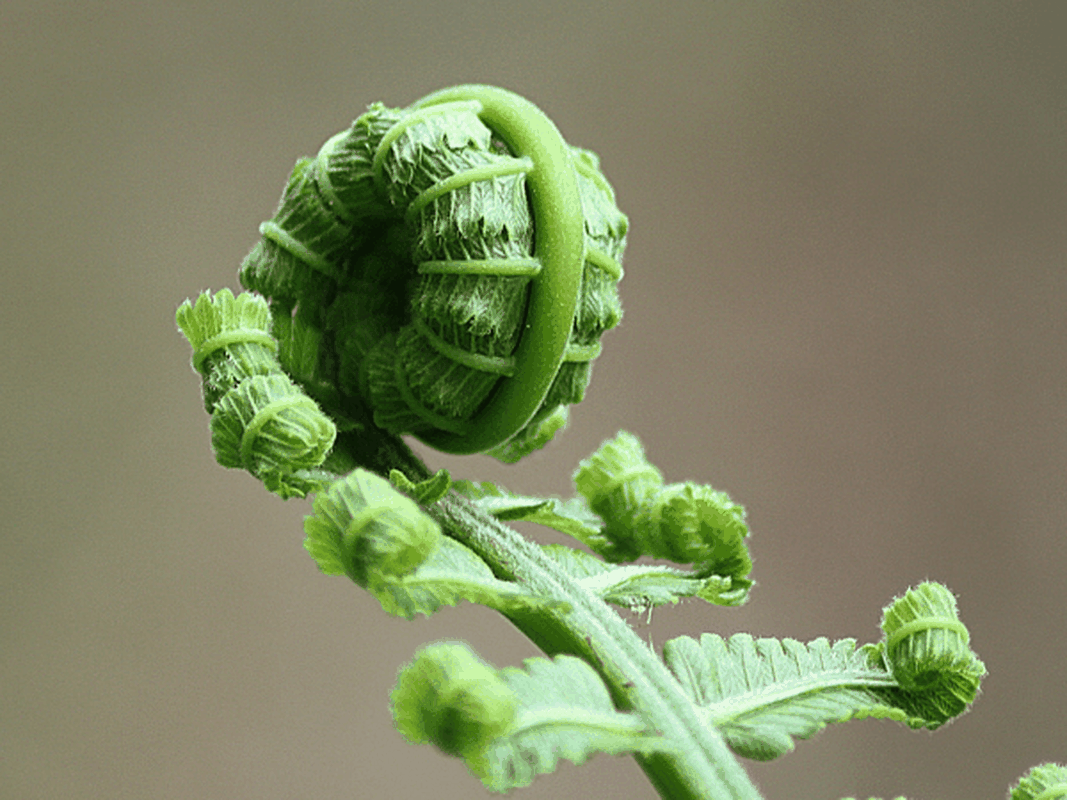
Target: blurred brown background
x,y
845,304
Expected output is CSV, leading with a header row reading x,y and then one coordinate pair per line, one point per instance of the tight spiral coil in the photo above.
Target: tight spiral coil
x,y
444,270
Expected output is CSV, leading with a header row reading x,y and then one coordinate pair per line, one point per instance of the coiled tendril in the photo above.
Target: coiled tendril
x,y
444,270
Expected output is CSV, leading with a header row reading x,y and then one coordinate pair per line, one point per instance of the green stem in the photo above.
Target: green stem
x,y
702,766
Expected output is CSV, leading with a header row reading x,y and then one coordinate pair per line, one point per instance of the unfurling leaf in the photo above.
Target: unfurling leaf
x,y
260,419
513,724
364,528
763,693
684,522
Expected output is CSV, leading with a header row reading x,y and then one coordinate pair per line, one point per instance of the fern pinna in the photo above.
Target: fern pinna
x,y
446,270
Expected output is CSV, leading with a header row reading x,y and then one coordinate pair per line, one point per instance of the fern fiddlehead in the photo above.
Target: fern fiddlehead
x,y
445,270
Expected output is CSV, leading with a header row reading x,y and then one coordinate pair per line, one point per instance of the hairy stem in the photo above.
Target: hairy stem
x,y
702,766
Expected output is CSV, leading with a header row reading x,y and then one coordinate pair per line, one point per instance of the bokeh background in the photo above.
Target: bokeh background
x,y
846,304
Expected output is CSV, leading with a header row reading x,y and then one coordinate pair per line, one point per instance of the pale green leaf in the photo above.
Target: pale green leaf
x,y
762,693
572,517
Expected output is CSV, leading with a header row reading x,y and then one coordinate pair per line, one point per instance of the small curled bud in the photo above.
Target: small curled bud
x,y
685,522
261,420
617,480
268,426
365,528
927,651
694,524
450,697
924,636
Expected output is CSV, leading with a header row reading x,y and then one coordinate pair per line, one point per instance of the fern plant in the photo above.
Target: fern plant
x,y
446,271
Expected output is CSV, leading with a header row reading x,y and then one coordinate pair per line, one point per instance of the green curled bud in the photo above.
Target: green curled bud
x,y
268,426
686,523
694,524
618,482
230,339
465,259
924,636
449,697
366,529
927,651
1043,782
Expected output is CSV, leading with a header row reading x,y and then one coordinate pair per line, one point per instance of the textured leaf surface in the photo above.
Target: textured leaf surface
x,y
762,693
565,712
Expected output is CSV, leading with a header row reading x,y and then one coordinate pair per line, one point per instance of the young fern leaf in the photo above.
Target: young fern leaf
x,y
260,420
683,522
449,697
364,528
230,339
572,517
1043,782
513,724
634,587
927,650
763,693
